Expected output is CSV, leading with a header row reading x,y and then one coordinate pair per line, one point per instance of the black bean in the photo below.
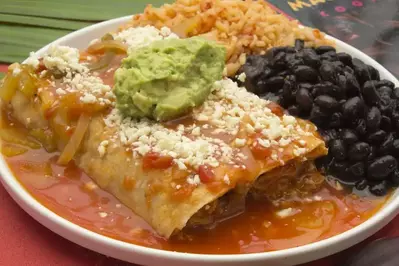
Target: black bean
x,y
290,49
342,83
273,84
327,103
361,70
395,147
373,119
370,93
304,99
284,73
387,105
305,85
384,90
317,116
339,66
293,110
361,185
353,108
394,177
385,82
386,146
299,44
396,93
345,58
377,137
361,127
278,61
340,168
335,120
328,72
324,49
288,89
381,167
395,120
337,149
358,151
349,136
329,135
294,63
352,85
329,56
327,88
305,74
386,123
357,169
379,189
273,51
372,154
349,70
373,73
310,58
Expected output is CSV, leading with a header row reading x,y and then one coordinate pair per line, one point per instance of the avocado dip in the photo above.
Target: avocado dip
x,y
168,78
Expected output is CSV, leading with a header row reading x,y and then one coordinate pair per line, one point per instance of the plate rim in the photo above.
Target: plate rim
x,y
101,243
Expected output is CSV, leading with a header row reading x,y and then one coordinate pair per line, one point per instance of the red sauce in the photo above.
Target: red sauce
x,y
65,191
70,193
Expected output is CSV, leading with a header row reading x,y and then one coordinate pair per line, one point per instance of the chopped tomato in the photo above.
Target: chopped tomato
x,y
183,192
259,151
129,183
276,109
206,174
154,160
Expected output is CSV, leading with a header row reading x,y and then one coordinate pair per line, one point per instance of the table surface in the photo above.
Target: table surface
x,y
26,242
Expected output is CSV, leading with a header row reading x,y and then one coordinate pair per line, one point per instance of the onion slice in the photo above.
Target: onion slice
x,y
73,144
109,45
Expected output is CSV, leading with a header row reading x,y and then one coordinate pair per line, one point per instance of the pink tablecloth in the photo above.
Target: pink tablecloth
x,y
23,241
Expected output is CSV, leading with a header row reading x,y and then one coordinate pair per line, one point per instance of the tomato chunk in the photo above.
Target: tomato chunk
x,y
206,174
276,109
260,152
154,160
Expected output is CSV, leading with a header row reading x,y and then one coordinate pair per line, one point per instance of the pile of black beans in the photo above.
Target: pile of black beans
x,y
355,111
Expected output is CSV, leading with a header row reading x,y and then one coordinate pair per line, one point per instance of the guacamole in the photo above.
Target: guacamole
x,y
168,78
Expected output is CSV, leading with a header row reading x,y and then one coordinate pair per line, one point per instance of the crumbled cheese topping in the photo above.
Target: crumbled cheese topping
x,y
91,185
240,142
60,91
242,77
16,71
228,104
143,36
226,179
91,88
102,147
103,214
299,151
194,180
285,213
264,142
225,109
63,58
32,60
145,135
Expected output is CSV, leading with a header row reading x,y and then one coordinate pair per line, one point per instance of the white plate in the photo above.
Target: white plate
x,y
148,256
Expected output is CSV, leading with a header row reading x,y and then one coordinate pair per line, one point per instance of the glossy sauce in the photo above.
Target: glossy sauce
x,y
68,192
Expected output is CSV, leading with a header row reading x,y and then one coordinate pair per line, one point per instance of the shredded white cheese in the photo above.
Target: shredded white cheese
x,y
142,36
32,60
63,58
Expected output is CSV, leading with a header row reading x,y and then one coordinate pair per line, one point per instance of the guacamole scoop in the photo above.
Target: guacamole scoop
x,y
168,78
